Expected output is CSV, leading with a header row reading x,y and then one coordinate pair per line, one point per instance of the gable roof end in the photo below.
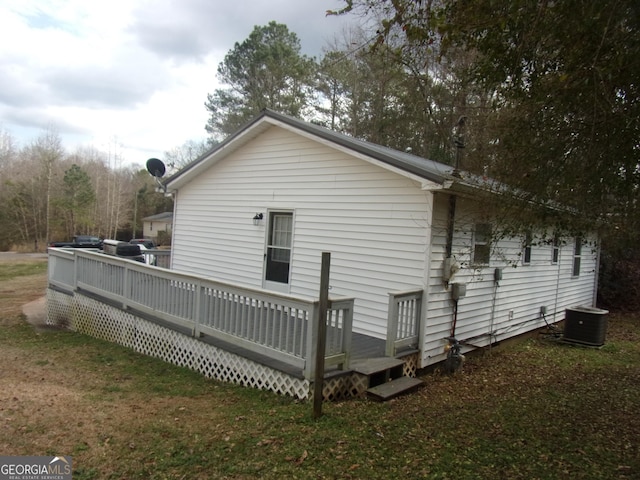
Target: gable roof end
x,y
421,167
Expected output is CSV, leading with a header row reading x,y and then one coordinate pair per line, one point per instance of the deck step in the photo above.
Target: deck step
x,y
370,366
389,390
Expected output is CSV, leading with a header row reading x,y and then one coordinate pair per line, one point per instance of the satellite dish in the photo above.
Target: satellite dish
x,y
155,167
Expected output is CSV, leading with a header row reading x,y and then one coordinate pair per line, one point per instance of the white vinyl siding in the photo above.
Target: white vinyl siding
x,y
510,307
380,228
372,221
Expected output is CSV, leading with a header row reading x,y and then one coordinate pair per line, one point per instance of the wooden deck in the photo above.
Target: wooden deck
x,y
271,332
364,346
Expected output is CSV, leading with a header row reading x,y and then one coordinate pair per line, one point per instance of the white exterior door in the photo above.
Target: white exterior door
x,y
277,258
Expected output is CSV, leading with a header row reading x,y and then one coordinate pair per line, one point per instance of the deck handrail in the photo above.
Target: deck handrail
x,y
157,257
277,325
403,326
61,269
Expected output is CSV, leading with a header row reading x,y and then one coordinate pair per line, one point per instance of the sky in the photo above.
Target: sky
x,y
131,76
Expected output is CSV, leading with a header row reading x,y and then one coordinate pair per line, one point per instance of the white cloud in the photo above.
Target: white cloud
x,y
132,71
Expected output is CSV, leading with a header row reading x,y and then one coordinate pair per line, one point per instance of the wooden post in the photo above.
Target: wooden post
x,y
321,336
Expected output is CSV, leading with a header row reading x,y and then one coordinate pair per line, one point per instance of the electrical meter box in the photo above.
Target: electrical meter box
x,y
497,275
458,290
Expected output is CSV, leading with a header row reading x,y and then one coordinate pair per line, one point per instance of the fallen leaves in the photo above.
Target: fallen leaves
x,y
302,458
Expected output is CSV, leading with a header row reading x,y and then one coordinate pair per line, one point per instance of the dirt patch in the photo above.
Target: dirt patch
x,y
56,402
18,291
12,257
542,410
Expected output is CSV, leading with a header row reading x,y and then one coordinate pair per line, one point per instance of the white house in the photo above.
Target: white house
x,y
152,225
261,207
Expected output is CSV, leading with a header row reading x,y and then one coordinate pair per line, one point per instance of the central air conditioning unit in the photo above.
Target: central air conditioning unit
x,y
585,325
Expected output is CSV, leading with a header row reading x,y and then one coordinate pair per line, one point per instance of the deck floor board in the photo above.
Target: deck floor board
x,y
364,346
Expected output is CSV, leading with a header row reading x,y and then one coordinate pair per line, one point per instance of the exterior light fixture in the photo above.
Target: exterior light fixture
x,y
257,218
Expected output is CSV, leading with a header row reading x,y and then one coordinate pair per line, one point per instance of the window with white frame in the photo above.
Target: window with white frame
x,y
481,244
577,256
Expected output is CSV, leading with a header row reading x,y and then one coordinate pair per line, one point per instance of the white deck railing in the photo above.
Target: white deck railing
x,y
403,328
281,327
157,258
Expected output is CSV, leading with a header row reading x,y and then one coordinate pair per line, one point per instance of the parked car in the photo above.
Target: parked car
x,y
143,241
123,250
79,241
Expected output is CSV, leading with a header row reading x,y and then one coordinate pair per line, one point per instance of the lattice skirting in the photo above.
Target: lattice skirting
x,y
92,317
410,367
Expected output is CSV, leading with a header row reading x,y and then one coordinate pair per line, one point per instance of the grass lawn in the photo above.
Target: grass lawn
x,y
529,410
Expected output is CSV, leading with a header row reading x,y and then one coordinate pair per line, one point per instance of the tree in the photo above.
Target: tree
x,y
560,79
400,103
394,94
568,99
559,83
7,150
8,155
179,157
31,185
264,71
335,77
147,201
45,189
78,201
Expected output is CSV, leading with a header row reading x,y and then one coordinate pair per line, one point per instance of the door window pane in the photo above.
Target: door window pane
x,y
279,247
